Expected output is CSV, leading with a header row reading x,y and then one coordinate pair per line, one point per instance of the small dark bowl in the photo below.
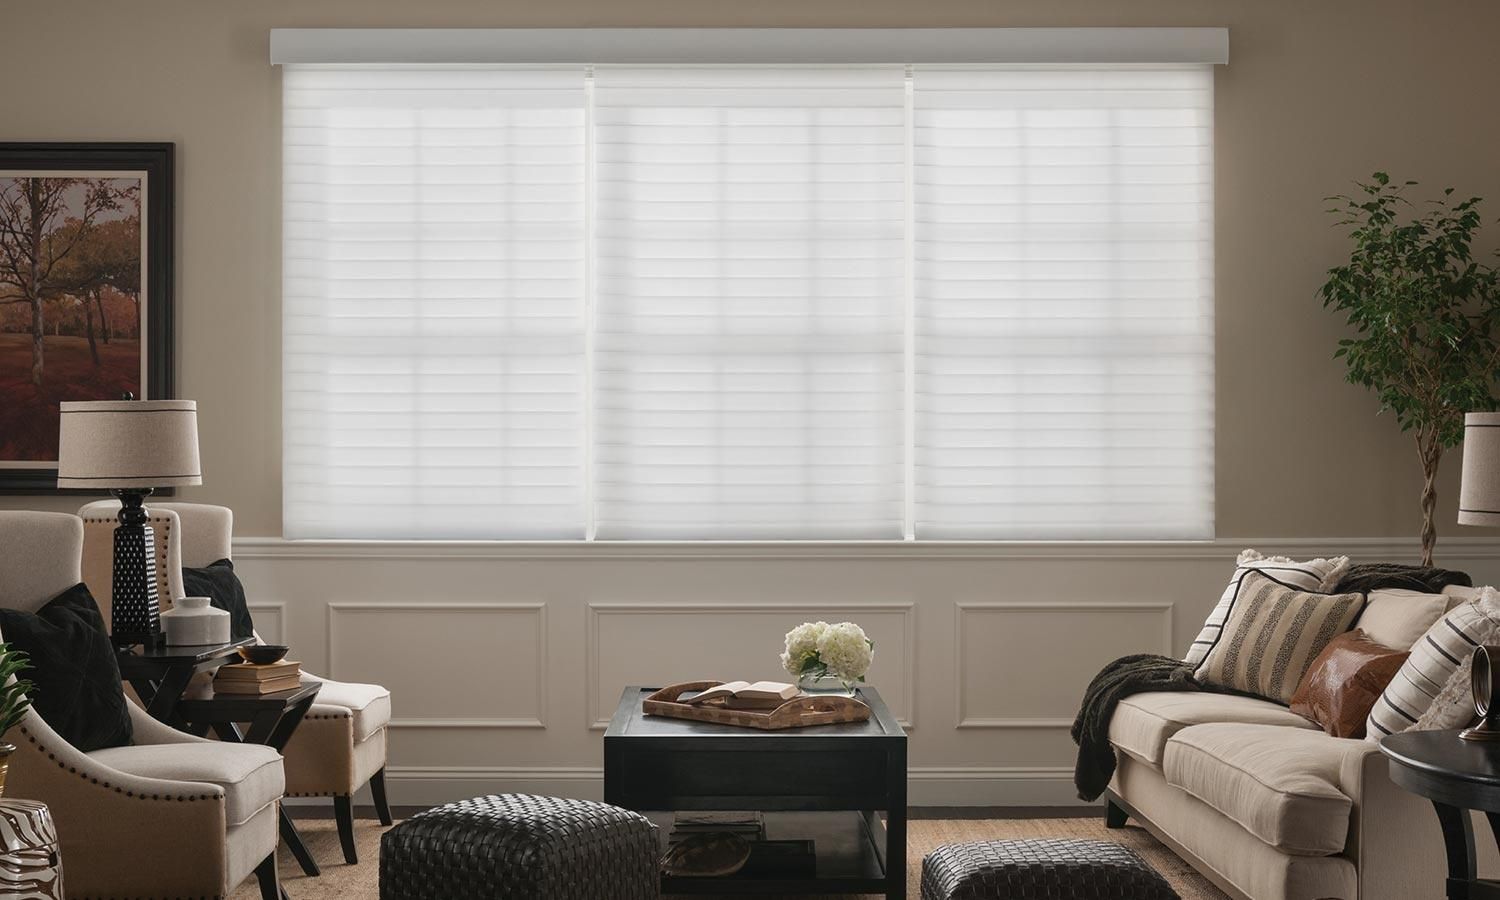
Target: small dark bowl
x,y
263,654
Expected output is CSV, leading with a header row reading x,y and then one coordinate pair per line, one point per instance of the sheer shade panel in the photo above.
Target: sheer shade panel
x,y
748,371
434,237
720,302
1064,300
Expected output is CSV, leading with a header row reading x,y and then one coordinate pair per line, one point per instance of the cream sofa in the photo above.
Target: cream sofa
x,y
1268,807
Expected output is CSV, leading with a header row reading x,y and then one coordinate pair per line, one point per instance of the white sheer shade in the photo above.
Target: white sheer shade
x,y
749,253
788,302
433,303
1064,254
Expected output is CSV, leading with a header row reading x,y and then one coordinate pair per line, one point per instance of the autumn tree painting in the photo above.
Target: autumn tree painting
x,y
70,302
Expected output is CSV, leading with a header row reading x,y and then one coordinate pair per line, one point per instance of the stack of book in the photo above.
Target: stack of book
x,y
245,678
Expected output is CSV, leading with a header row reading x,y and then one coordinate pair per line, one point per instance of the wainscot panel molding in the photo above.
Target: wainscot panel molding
x,y
1086,635
478,668
270,621
505,660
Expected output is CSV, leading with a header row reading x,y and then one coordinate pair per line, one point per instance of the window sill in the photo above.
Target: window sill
x,y
1396,548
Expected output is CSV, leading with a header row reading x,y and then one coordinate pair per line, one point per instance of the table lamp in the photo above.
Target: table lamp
x,y
130,448
1479,496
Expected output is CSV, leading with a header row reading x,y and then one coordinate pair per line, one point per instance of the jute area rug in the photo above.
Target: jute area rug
x,y
340,881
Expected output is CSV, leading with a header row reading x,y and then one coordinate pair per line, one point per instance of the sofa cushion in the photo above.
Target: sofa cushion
x,y
369,704
1279,784
250,774
1142,724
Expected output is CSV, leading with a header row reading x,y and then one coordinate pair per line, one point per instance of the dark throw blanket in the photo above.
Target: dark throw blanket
x,y
1137,674
1365,577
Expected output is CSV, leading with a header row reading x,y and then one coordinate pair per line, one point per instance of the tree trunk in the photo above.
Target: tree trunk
x,y
1431,451
88,316
34,290
103,319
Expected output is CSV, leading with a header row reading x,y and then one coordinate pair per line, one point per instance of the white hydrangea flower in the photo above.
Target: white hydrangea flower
x,y
801,643
845,650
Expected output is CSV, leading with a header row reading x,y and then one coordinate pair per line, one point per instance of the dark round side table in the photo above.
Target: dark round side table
x,y
1457,776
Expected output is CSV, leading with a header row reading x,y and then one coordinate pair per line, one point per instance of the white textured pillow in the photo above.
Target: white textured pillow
x,y
1398,618
1431,692
1317,575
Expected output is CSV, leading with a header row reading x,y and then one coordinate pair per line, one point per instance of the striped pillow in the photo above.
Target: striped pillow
x,y
1434,661
1273,634
1313,575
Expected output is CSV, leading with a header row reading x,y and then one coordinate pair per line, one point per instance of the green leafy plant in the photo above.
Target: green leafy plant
x,y
1425,316
13,694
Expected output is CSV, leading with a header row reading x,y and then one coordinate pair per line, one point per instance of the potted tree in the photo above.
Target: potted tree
x,y
1424,314
13,701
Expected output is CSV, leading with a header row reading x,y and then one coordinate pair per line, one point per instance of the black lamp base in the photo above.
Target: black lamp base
x,y
135,615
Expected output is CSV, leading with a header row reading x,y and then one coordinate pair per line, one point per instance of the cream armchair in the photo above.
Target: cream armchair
x,y
341,744
169,816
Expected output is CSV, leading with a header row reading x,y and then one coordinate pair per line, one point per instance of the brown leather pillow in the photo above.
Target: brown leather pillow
x,y
1345,681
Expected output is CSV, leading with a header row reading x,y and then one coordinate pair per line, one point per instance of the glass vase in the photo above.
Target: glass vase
x,y
827,684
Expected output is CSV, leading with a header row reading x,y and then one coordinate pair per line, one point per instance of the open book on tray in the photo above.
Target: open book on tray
x,y
746,694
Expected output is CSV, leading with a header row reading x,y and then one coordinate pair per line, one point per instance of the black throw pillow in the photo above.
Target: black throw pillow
x,y
76,679
218,582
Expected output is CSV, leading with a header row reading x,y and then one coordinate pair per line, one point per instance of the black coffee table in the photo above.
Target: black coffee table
x,y
826,783
1457,776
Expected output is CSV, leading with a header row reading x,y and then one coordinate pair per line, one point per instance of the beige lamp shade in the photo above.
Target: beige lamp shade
x,y
128,444
1479,497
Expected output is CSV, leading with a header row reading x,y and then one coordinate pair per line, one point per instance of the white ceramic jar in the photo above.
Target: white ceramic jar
x,y
191,620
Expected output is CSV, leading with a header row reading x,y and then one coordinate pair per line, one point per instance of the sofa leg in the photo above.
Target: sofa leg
x,y
377,793
343,811
270,882
1114,815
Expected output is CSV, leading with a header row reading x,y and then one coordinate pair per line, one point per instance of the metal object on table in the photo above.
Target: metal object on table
x,y
1039,870
1484,678
1457,776
272,720
30,860
520,846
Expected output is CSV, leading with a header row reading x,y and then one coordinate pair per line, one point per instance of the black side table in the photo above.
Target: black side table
x,y
1457,776
272,718
160,674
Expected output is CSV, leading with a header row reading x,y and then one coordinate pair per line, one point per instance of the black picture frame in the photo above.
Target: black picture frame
x,y
158,161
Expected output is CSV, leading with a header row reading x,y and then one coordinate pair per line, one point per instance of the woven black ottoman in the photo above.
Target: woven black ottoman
x,y
1040,870
521,847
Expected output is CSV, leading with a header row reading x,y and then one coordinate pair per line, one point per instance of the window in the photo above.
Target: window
x,y
790,302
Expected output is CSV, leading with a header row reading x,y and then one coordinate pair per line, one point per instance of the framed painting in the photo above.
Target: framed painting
x,y
85,290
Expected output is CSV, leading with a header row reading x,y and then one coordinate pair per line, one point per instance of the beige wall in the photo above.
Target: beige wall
x,y
1316,94
985,650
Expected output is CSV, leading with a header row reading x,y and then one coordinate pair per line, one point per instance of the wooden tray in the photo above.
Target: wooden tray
x,y
798,712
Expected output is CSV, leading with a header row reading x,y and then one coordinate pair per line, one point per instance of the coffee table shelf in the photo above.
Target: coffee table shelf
x,y
828,784
849,857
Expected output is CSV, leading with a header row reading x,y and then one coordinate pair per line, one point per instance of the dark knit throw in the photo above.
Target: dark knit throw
x,y
1137,674
1365,577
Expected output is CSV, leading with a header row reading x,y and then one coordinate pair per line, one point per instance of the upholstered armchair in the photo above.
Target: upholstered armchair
x,y
169,816
341,745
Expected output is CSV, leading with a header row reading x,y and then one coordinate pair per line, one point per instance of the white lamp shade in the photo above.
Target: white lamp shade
x,y
128,444
1479,497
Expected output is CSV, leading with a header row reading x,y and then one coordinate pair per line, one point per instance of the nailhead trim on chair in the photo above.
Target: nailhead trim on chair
x,y
118,790
328,716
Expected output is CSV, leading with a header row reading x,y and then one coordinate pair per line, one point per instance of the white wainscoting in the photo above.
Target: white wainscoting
x,y
506,660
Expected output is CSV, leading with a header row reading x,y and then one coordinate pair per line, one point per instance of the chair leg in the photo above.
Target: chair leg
x,y
270,882
343,810
377,793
